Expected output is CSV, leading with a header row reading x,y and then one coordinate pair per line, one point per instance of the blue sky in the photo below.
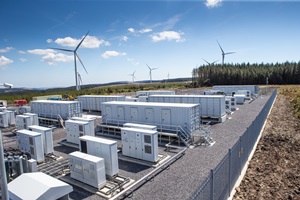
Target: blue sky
x,y
172,36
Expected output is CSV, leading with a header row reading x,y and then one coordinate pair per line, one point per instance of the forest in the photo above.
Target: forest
x,y
247,74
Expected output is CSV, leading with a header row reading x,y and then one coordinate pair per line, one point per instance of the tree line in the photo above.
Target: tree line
x,y
247,74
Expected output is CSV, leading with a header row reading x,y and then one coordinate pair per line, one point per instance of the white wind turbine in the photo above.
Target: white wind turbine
x,y
224,53
150,73
133,76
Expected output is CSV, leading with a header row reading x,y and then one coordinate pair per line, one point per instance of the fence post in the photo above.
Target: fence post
x,y
240,155
211,184
229,173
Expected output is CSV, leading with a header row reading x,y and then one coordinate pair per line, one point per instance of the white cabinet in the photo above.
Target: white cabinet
x,y
47,137
3,119
140,126
23,122
34,118
76,129
11,117
103,148
87,169
31,142
140,143
90,121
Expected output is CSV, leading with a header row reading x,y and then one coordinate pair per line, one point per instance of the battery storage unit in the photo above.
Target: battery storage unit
x,y
93,102
90,121
34,118
47,137
32,143
209,105
166,116
87,169
23,122
51,109
103,148
140,126
11,117
140,143
230,103
153,92
4,119
76,129
228,89
247,93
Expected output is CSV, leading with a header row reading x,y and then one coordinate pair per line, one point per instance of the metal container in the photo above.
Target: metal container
x,y
51,109
34,118
153,92
11,117
166,116
93,102
103,148
131,99
140,126
87,169
4,119
209,105
240,98
76,129
23,121
32,143
90,121
228,89
140,143
230,103
247,93
47,137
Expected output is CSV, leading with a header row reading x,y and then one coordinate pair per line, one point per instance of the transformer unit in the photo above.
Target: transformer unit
x,y
103,148
230,103
93,102
32,143
90,121
166,116
88,169
51,109
140,126
212,106
76,129
140,143
228,89
23,122
153,92
247,93
4,119
34,118
240,98
11,117
47,137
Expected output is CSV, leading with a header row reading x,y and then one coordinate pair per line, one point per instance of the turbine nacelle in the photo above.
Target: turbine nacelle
x,y
7,85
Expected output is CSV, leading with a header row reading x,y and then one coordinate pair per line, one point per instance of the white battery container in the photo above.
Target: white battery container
x,y
34,118
23,122
76,129
32,143
228,89
103,148
93,102
140,143
47,136
88,169
153,92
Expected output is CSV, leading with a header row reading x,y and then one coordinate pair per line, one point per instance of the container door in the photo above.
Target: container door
x,y
108,114
147,147
134,114
132,142
138,147
166,116
121,114
125,143
149,115
83,146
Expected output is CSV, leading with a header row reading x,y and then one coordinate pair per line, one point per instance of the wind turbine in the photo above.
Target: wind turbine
x,y
151,72
75,58
79,81
209,64
223,53
133,76
7,85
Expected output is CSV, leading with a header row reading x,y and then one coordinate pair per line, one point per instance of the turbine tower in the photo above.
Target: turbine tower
x,y
150,73
75,58
79,81
223,53
209,64
133,76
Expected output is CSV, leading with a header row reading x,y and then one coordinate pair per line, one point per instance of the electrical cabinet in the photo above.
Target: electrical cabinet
x,y
32,143
90,121
140,126
3,119
47,137
87,169
11,117
103,148
247,93
230,103
76,129
140,143
23,122
34,118
240,98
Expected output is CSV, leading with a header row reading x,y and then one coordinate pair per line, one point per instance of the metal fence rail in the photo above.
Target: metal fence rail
x,y
222,179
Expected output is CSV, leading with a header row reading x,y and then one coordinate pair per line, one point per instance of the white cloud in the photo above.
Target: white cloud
x,y
23,59
132,61
5,61
41,51
146,30
7,49
51,58
167,35
89,42
124,38
131,30
213,3
108,54
22,52
49,40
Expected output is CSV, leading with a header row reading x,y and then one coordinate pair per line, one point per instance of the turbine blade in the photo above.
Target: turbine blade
x,y
229,53
214,62
220,46
154,68
81,41
148,66
80,62
206,61
68,50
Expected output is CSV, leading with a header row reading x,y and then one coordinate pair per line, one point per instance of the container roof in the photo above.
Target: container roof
x,y
54,101
151,104
101,96
87,157
37,185
97,139
187,96
27,132
39,127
